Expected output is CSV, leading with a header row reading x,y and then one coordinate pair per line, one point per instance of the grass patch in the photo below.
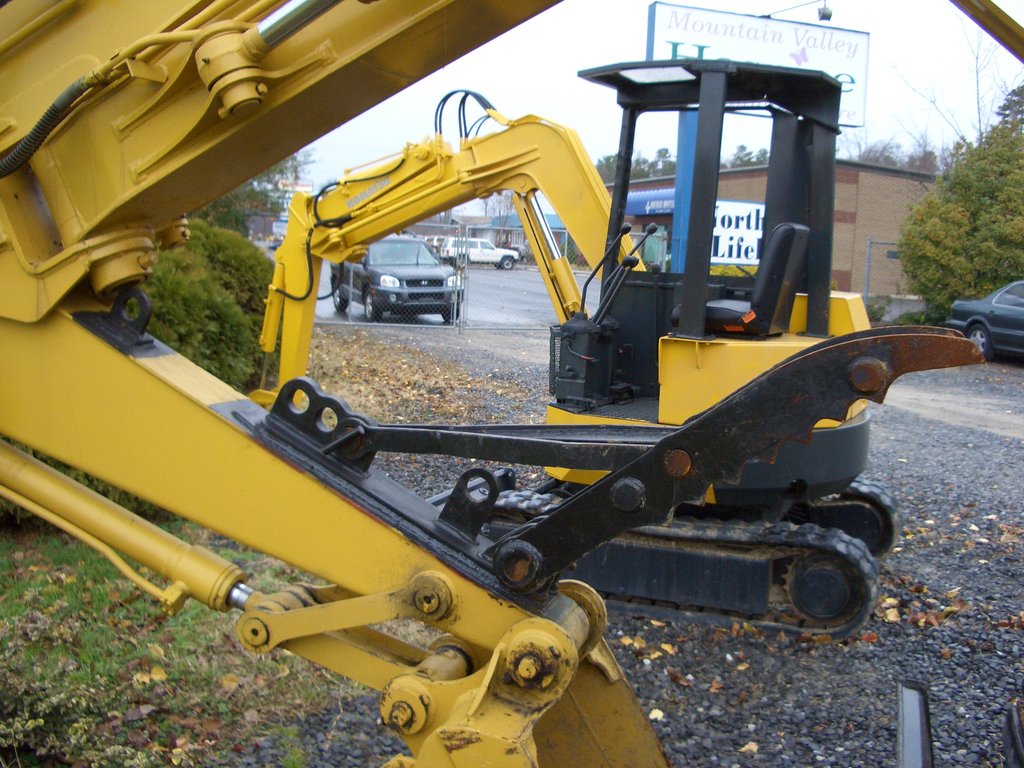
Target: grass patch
x,y
95,674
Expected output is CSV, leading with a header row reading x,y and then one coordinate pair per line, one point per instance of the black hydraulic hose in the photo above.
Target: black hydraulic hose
x,y
318,222
53,117
463,127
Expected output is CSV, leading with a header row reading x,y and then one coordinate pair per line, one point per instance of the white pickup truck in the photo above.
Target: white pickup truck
x,y
478,250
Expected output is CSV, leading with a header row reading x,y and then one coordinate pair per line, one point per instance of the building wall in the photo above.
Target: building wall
x,y
870,205
880,201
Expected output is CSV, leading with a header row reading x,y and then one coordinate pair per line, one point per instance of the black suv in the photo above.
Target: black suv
x,y
399,275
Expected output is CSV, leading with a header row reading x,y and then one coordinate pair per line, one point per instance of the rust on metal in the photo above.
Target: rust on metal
x,y
517,568
455,739
677,463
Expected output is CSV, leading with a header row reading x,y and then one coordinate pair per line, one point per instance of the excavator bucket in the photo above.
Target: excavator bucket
x,y
601,713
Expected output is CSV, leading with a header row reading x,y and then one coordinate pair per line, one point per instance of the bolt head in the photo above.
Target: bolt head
x,y
427,601
533,667
401,716
868,375
628,495
528,666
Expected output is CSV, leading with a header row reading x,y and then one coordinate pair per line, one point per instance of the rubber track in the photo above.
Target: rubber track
x,y
769,540
777,540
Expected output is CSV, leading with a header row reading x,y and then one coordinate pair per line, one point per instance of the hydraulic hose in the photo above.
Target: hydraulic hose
x,y
53,116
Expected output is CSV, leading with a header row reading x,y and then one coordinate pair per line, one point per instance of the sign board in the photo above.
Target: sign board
x,y
738,224
738,229
287,185
678,31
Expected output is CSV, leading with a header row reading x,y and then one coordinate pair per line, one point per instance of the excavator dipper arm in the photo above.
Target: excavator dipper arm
x,y
529,156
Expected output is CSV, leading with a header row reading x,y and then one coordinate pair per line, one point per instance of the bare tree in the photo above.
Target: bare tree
x,y
988,92
858,147
924,157
499,205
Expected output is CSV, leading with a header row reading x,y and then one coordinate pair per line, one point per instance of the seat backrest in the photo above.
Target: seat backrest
x,y
778,276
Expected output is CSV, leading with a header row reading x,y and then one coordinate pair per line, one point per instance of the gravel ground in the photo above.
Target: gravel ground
x,y
950,613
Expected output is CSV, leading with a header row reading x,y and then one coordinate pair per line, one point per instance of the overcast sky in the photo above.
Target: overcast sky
x,y
920,51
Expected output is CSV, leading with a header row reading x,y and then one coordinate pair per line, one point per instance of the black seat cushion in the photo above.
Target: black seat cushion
x,y
775,285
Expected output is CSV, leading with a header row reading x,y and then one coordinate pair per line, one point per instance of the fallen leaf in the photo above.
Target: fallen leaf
x,y
157,674
229,682
679,678
750,748
140,712
656,714
716,686
656,623
892,616
137,738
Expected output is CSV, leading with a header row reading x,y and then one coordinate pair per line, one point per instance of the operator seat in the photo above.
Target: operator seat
x,y
775,286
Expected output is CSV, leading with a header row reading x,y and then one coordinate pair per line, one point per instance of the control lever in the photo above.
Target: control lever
x,y
618,277
624,230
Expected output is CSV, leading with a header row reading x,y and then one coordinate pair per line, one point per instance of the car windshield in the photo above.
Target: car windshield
x,y
402,253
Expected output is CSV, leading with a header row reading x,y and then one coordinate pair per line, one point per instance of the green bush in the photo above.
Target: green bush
x,y
912,318
876,309
966,237
44,716
241,268
208,300
731,270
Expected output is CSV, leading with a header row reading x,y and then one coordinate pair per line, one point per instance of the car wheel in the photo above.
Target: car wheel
x,y
507,262
340,302
372,313
447,315
979,334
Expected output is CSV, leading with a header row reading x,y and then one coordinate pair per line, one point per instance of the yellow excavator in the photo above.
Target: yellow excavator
x,y
116,116
655,349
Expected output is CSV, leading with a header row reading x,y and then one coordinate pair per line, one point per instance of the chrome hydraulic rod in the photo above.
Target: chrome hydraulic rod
x,y
290,18
192,570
